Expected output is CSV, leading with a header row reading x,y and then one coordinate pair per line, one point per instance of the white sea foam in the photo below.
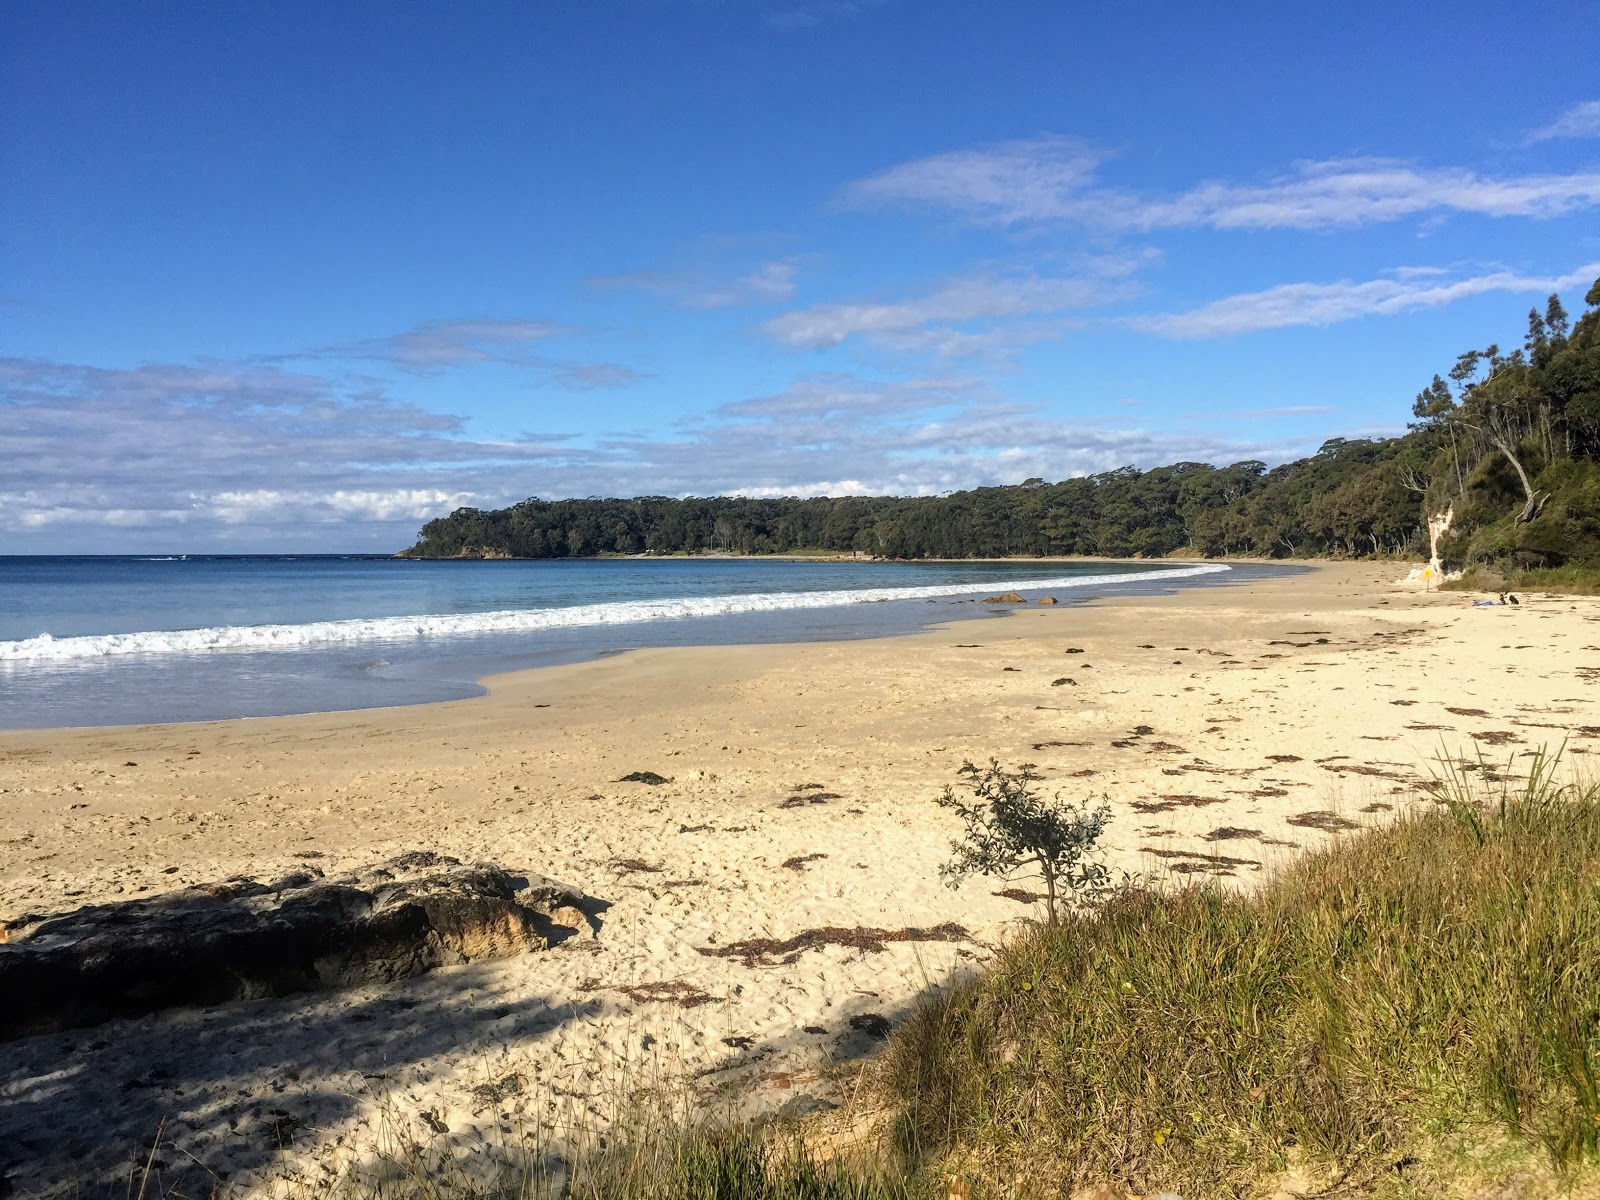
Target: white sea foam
x,y
45,648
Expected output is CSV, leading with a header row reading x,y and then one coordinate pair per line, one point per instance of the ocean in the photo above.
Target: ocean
x,y
115,640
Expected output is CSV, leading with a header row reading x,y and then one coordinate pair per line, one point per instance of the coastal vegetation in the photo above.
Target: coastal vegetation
x,y
1011,826
1414,991
1510,441
1412,1011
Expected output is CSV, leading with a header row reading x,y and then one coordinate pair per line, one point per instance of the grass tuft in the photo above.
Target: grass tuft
x,y
1570,579
1439,974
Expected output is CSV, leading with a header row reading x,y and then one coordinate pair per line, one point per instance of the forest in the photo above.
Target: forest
x,y
1509,440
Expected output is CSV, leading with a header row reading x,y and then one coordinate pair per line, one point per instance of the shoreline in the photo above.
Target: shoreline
x,y
450,661
799,797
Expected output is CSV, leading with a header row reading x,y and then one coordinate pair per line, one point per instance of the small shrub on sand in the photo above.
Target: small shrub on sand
x,y
1011,827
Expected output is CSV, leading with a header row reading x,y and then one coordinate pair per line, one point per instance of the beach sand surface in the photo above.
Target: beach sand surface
x,y
1229,727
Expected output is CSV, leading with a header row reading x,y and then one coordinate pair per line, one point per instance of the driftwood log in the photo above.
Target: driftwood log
x,y
245,940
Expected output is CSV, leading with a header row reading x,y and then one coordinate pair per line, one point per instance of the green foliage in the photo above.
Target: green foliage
x,y
1437,976
1011,826
1510,441
731,1163
641,1157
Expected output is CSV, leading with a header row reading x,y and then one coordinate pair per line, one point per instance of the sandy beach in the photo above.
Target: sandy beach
x,y
1229,727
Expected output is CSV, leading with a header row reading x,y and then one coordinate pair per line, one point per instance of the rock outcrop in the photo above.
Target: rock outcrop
x,y
1004,598
242,939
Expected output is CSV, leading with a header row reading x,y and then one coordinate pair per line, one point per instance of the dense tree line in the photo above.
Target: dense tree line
x,y
1510,441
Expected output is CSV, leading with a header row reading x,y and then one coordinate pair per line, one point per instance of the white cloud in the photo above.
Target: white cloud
x,y
1028,180
206,450
435,346
968,315
792,17
1579,121
172,457
259,504
769,283
1293,304
1053,178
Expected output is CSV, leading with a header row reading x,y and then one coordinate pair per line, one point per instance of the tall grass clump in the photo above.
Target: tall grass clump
x,y
1438,975
644,1155
731,1163
1571,579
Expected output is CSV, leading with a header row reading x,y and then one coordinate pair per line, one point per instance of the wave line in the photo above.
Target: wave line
x,y
45,648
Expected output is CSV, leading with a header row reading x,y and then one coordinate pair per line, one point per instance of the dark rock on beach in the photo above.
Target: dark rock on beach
x,y
244,940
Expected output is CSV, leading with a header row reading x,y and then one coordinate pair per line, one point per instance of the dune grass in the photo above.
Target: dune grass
x,y
1438,975
1570,579
641,1159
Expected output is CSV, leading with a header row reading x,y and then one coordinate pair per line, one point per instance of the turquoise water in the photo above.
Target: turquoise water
x,y
119,640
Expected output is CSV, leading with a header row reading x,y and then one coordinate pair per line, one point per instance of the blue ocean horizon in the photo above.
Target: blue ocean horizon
x,y
136,639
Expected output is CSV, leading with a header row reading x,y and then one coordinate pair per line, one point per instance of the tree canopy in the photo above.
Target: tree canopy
x,y
1511,441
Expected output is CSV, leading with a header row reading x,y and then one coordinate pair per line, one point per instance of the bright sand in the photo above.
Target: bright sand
x,y
1276,709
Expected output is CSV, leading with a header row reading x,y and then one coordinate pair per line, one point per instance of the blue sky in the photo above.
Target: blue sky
x,y
300,276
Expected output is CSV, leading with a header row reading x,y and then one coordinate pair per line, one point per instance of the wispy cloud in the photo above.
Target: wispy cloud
x,y
790,17
197,452
1037,179
443,345
769,283
437,345
1579,121
971,314
241,456
1293,304
1053,178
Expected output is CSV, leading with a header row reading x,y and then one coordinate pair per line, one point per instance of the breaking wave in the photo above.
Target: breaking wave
x,y
46,648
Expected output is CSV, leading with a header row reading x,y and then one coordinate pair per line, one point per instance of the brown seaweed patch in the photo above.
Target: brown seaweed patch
x,y
771,952
1321,819
1371,772
1494,737
1228,833
799,861
803,799
1168,803
1020,895
1207,859
675,991
629,866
